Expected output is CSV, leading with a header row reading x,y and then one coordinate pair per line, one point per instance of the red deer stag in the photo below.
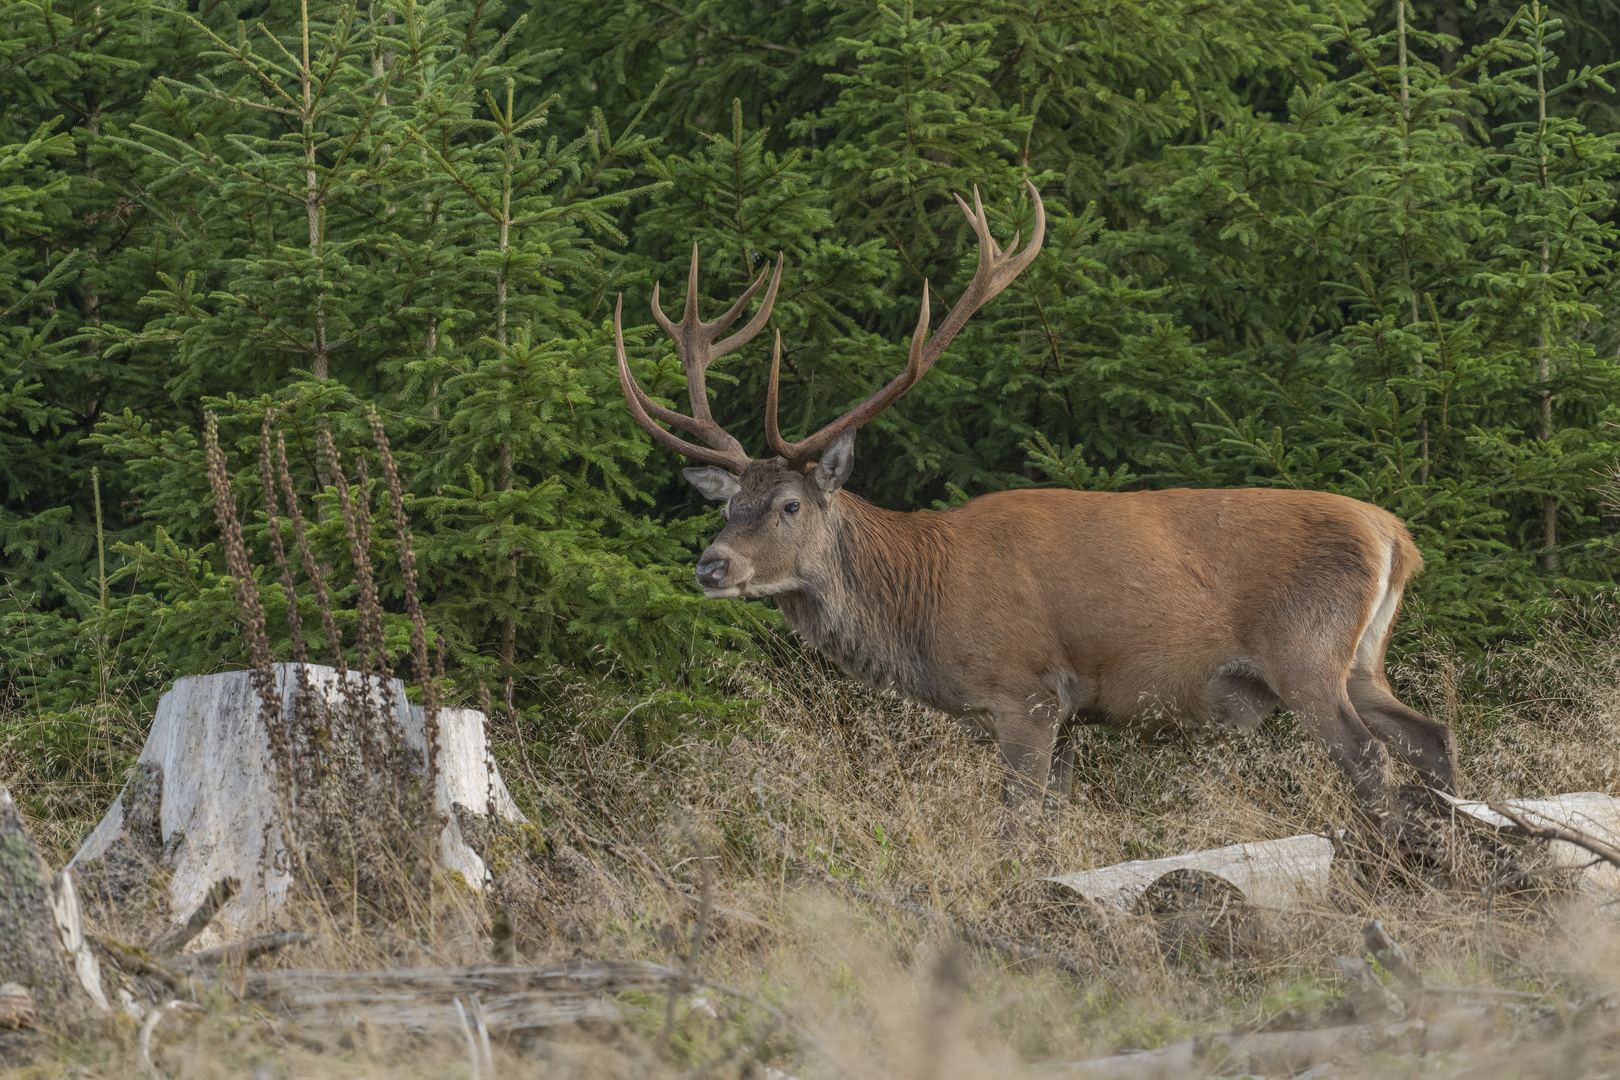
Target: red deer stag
x,y
1027,611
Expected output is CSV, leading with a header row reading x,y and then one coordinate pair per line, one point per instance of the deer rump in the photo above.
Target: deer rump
x,y
1027,611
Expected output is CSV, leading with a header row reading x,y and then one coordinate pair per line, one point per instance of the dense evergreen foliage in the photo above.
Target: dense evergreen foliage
x,y
1365,250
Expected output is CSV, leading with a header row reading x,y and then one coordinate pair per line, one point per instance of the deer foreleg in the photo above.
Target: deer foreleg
x,y
1027,736
1061,781
1073,693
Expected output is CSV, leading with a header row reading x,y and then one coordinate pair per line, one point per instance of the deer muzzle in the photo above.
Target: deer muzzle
x,y
722,572
711,573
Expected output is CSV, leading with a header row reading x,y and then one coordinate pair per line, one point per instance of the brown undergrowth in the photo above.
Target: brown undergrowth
x,y
848,811
844,872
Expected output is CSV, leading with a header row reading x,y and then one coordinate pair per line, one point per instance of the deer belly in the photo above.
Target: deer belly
x,y
1234,695
1239,697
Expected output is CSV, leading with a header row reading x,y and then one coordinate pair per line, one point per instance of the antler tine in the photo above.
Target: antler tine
x,y
753,326
773,434
682,332
995,272
694,338
800,452
726,451
920,334
689,317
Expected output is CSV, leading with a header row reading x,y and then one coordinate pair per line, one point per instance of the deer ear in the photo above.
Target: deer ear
x,y
837,463
714,482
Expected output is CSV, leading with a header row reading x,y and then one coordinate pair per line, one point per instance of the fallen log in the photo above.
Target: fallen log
x,y
1266,1053
1582,831
1270,873
422,1000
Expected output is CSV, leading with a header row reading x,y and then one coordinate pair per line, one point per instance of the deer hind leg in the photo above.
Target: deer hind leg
x,y
1330,717
1426,745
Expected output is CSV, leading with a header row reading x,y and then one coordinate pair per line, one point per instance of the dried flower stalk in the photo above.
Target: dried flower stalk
x,y
323,602
295,629
367,610
247,595
272,517
407,567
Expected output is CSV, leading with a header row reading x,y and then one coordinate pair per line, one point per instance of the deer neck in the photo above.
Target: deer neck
x,y
870,600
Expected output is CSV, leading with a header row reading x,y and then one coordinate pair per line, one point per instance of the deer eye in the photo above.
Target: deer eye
x,y
791,508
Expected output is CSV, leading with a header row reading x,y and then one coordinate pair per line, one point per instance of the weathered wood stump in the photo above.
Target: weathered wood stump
x,y
213,794
48,977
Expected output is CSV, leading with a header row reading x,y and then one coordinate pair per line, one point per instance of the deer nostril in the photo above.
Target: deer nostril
x,y
712,572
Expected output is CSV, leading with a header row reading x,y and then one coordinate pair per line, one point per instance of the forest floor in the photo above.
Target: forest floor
x,y
844,870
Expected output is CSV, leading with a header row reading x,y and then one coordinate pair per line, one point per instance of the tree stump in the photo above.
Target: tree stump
x,y
210,798
48,976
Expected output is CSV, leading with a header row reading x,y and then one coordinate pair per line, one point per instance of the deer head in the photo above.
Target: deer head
x,y
779,510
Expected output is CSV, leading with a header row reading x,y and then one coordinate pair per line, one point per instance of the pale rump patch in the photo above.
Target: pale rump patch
x,y
1369,649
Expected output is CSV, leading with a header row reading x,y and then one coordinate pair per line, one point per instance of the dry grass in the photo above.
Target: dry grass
x,y
839,789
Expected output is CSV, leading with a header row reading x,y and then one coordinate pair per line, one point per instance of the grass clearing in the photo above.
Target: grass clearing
x,y
843,812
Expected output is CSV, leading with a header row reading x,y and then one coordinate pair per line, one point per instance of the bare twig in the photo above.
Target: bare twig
x,y
139,962
149,1025
1556,832
217,897
1391,955
241,952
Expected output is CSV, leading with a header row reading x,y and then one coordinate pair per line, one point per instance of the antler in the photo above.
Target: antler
x,y
996,271
694,344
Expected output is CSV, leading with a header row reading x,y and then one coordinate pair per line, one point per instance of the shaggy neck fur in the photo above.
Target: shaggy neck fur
x,y
870,605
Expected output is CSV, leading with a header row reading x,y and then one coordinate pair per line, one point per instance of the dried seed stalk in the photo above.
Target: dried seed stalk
x,y
367,609
277,548
299,744
489,749
370,609
323,603
247,595
407,567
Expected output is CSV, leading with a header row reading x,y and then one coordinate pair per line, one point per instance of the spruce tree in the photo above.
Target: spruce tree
x,y
382,226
